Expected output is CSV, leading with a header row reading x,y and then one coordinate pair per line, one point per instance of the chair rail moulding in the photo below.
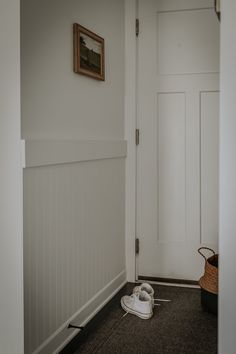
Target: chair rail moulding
x,y
53,152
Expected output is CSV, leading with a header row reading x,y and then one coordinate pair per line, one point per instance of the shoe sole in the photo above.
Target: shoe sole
x,y
139,314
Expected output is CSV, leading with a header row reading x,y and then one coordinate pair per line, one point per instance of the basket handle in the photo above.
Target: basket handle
x,y
205,248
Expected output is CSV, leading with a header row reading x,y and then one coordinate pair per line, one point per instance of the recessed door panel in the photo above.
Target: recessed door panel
x,y
171,167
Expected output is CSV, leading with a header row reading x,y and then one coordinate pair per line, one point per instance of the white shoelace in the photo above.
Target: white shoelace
x,y
126,313
164,300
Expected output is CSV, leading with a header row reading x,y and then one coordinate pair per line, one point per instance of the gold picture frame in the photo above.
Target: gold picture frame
x,y
217,8
88,53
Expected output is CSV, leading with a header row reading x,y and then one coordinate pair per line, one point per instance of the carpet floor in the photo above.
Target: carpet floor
x,y
177,327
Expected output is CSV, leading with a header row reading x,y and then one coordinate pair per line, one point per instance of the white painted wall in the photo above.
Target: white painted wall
x,y
227,308
56,103
11,274
74,183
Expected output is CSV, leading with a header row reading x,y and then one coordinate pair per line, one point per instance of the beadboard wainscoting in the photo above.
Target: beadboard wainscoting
x,y
74,236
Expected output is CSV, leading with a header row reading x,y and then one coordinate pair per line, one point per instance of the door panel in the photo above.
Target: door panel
x,y
171,167
209,102
177,165
185,42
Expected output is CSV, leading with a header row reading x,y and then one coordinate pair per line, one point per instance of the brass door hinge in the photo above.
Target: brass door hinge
x,y
137,245
137,136
137,27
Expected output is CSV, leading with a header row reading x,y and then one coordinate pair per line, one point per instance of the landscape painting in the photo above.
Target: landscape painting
x,y
88,53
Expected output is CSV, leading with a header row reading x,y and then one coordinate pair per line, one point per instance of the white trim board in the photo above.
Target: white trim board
x,y
53,152
58,340
11,186
130,126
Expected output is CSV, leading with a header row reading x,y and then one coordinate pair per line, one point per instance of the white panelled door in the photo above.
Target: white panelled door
x,y
178,108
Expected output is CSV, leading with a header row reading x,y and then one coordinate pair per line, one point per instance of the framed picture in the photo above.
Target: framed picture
x,y
217,8
88,53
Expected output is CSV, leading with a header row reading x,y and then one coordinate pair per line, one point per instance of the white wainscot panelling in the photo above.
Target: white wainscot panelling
x,y
74,245
171,166
209,167
188,42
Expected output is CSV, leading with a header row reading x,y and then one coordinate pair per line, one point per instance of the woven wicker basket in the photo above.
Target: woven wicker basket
x,y
209,281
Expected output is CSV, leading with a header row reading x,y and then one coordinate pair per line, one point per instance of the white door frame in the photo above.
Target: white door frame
x,y
130,126
227,283
11,185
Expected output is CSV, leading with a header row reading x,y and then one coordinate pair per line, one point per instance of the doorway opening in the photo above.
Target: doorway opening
x,y
178,119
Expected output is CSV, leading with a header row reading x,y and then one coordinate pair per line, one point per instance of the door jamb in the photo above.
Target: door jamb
x,y
130,114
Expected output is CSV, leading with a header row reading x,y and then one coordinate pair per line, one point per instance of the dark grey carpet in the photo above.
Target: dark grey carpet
x,y
177,327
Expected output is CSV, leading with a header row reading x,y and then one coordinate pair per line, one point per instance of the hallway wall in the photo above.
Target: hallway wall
x,y
56,103
11,250
74,180
227,279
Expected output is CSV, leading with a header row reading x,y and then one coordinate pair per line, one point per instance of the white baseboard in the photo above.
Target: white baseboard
x,y
58,340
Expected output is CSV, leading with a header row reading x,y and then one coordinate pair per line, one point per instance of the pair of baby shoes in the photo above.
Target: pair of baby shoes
x,y
141,302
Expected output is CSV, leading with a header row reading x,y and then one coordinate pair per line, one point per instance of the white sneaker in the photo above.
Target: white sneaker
x,y
139,304
145,287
